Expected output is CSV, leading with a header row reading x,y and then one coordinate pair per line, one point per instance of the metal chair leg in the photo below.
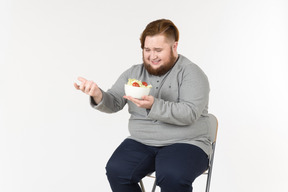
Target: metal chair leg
x,y
208,181
142,186
209,174
154,186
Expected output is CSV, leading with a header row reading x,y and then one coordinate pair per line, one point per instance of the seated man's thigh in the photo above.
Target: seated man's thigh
x,y
131,160
178,165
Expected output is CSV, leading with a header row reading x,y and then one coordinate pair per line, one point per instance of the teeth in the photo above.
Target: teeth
x,y
156,61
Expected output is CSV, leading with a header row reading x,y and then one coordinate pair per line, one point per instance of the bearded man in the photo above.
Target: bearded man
x,y
169,127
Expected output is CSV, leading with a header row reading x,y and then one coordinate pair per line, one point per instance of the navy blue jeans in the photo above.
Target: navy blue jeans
x,y
176,166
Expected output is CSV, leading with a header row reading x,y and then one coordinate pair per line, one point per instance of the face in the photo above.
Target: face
x,y
159,54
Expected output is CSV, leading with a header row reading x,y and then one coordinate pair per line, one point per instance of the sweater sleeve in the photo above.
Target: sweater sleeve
x,y
193,96
112,100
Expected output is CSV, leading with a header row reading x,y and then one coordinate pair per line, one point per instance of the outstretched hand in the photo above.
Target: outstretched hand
x,y
90,88
146,101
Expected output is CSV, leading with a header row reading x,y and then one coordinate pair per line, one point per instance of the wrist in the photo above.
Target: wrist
x,y
97,98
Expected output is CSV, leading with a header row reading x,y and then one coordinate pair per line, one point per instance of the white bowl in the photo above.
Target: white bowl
x,y
136,92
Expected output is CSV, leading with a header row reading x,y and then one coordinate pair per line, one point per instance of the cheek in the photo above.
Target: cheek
x,y
167,55
164,56
146,56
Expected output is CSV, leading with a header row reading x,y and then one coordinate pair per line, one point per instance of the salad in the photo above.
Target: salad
x,y
137,83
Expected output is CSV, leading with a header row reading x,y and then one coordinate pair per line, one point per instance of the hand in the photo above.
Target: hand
x,y
146,101
90,88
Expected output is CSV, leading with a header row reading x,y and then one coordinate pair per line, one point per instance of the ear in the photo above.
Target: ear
x,y
175,45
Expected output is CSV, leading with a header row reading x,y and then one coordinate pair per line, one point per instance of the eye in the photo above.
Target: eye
x,y
147,50
158,50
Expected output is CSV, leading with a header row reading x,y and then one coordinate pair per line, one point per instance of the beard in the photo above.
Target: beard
x,y
162,69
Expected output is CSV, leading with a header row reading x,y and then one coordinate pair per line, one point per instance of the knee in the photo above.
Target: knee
x,y
113,169
118,173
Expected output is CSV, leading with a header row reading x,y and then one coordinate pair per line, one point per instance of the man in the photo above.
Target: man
x,y
169,127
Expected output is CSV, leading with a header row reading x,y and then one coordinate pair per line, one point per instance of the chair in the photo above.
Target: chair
x,y
208,172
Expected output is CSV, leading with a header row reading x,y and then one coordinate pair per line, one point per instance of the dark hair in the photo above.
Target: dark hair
x,y
161,26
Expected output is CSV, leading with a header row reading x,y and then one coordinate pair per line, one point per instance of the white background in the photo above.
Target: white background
x,y
52,140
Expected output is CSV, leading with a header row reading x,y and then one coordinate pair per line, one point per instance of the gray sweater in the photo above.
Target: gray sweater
x,y
179,112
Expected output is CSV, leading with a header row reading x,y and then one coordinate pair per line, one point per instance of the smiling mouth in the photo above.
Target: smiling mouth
x,y
155,62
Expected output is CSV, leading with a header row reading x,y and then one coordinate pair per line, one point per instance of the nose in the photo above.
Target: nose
x,y
153,55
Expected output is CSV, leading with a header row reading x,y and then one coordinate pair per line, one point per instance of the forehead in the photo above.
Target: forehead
x,y
156,41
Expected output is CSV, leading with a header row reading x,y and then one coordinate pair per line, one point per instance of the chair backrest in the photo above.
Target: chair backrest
x,y
214,127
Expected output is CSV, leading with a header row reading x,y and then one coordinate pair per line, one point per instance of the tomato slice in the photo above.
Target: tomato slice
x,y
144,83
135,84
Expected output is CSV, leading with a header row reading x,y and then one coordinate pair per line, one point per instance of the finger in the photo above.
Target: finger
x,y
83,80
92,90
136,101
132,99
127,97
88,86
148,98
76,86
145,97
82,86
